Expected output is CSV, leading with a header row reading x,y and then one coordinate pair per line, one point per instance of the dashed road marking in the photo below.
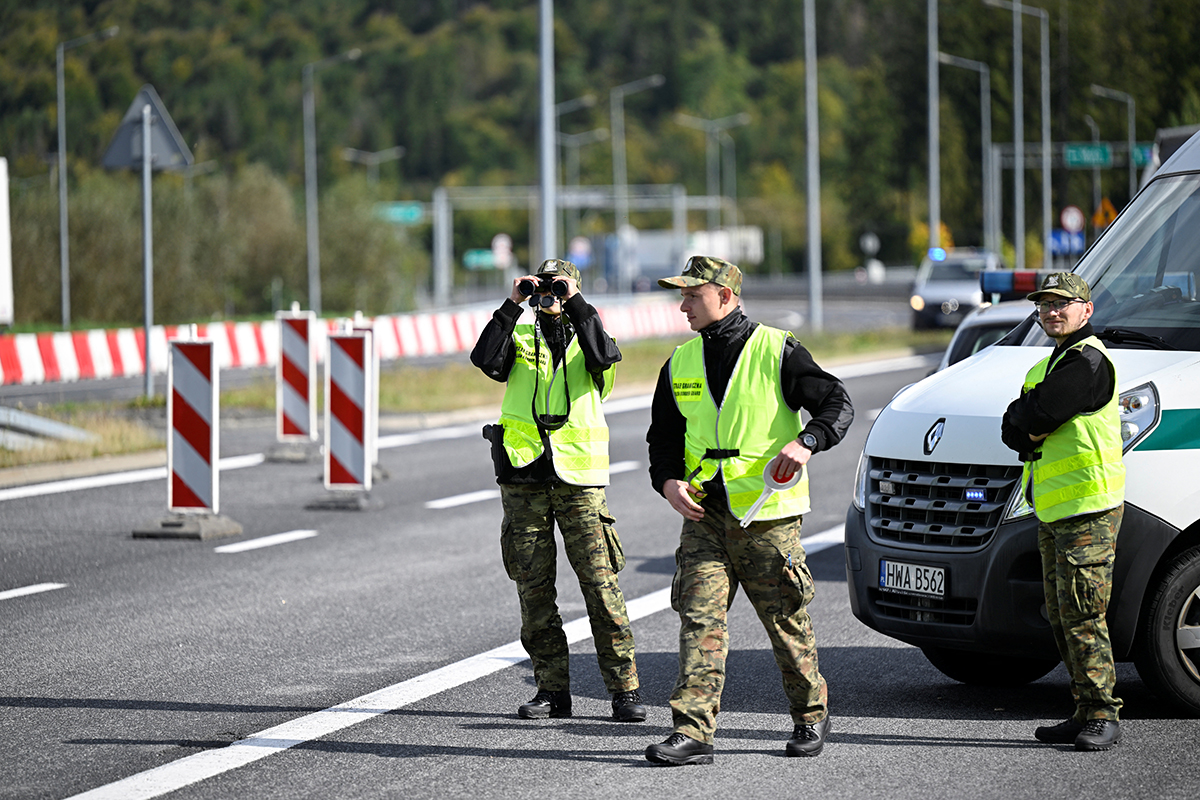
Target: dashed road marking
x,y
265,541
36,588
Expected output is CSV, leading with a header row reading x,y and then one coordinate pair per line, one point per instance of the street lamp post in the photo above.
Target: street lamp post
x,y
1018,133
985,113
310,175
616,99
935,126
712,129
1113,94
63,248
547,140
372,160
566,107
1091,123
812,153
571,142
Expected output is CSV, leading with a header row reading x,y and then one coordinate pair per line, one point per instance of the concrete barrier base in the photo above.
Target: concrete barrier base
x,y
294,452
188,526
341,501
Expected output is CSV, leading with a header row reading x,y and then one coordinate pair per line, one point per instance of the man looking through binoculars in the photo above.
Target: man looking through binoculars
x,y
550,452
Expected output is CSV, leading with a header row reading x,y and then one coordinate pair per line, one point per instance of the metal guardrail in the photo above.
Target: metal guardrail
x,y
20,430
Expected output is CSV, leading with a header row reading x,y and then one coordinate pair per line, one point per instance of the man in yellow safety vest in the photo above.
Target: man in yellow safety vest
x,y
727,409
550,452
1066,428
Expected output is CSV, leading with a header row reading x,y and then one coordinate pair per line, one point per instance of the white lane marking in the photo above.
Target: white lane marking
x,y
116,479
627,404
493,494
866,368
265,541
464,499
824,540
431,435
210,763
34,589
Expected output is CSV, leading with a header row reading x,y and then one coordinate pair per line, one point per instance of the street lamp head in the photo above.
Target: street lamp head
x,y
109,33
656,80
353,55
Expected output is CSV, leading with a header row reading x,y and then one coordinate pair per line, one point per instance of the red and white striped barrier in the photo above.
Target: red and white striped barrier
x,y
296,378
30,358
348,412
192,419
362,324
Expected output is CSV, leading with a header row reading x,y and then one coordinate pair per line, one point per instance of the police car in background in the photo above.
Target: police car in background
x,y
941,547
946,287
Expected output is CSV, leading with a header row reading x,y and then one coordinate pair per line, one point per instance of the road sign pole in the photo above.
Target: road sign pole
x,y
147,251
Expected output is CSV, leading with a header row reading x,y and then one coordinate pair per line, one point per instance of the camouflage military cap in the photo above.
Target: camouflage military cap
x,y
1062,284
557,268
706,269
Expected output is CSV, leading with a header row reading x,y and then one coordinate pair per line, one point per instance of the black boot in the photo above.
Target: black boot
x,y
1098,734
809,740
627,707
1062,733
679,750
547,704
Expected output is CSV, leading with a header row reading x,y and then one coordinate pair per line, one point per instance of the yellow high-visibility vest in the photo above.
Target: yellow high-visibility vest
x,y
579,449
1080,471
739,435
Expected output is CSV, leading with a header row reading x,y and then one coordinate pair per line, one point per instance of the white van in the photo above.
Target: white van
x,y
941,549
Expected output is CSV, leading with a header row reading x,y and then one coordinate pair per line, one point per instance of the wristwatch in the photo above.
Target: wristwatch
x,y
809,441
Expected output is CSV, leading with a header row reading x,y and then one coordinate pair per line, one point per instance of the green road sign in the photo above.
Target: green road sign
x,y
479,259
1087,156
401,213
1141,153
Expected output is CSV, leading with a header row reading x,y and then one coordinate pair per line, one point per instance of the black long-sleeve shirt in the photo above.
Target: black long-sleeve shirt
x,y
1080,382
495,355
803,384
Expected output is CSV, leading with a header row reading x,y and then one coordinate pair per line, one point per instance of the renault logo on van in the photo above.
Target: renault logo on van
x,y
934,435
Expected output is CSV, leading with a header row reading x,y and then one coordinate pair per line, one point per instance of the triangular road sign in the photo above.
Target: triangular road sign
x,y
167,148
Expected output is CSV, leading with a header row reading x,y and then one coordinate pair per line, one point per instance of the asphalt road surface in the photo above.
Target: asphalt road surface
x,y
373,653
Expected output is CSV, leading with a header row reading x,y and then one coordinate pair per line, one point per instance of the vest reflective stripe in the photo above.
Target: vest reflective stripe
x,y
1080,471
579,449
752,418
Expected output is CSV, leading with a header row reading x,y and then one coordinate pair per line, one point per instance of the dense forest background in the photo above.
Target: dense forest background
x,y
454,82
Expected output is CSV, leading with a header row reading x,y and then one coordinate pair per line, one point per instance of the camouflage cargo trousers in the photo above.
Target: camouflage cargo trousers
x,y
530,553
715,555
1077,567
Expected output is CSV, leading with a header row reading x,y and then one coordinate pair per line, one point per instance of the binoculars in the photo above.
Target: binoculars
x,y
528,287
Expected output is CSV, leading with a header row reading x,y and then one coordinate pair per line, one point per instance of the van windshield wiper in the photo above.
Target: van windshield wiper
x,y
1128,335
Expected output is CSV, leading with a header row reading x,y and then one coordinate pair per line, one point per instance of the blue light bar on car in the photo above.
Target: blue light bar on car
x,y
937,254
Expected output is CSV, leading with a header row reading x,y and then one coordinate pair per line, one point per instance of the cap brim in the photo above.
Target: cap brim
x,y
1064,293
681,282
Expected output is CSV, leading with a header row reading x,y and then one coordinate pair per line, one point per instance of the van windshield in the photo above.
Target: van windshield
x,y
1143,273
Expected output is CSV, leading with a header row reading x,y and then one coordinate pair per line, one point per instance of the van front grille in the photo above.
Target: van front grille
x,y
935,505
948,610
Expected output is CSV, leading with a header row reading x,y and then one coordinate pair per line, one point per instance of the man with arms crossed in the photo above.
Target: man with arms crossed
x,y
1066,428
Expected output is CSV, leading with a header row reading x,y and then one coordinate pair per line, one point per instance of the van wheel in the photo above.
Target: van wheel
x,y
987,669
1168,658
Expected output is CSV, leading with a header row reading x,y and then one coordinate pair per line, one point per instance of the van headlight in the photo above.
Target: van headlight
x,y
1139,414
860,481
917,302
1018,506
